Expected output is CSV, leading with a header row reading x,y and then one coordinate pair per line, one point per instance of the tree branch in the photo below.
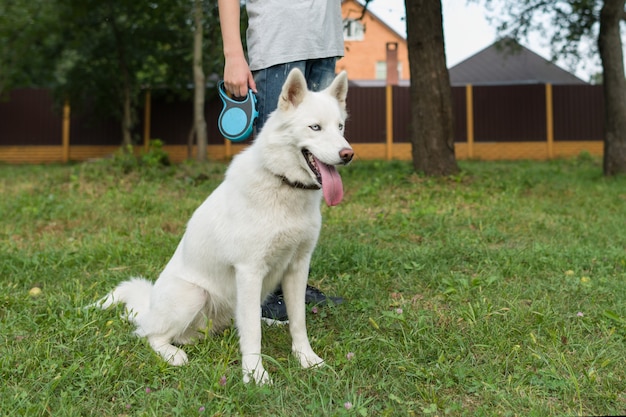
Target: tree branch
x,y
364,10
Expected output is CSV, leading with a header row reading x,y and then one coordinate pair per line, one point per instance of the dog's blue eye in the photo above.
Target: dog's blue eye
x,y
340,126
315,128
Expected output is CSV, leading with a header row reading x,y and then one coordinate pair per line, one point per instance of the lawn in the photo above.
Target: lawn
x,y
500,291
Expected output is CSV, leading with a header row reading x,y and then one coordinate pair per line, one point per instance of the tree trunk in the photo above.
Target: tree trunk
x,y
126,89
199,85
127,117
610,45
432,134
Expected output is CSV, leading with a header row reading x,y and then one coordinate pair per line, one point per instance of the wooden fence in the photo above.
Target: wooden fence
x,y
533,121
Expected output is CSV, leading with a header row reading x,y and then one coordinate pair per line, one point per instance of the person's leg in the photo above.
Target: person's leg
x,y
319,73
269,83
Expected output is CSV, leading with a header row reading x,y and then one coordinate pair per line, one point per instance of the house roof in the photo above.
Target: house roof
x,y
508,62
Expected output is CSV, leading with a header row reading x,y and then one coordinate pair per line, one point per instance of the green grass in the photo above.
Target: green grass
x,y
500,291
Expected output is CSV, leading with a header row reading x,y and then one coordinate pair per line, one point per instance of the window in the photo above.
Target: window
x,y
353,30
381,70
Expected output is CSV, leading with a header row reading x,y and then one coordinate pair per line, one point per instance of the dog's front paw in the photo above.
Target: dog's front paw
x,y
309,359
258,375
176,358
172,355
253,370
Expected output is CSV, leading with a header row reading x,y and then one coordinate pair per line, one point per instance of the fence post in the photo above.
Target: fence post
x,y
469,113
549,121
65,133
389,119
147,115
228,150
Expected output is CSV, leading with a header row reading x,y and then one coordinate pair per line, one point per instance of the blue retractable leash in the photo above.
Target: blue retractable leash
x,y
237,118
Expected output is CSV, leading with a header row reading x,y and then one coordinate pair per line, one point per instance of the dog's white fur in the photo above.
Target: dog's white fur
x,y
254,232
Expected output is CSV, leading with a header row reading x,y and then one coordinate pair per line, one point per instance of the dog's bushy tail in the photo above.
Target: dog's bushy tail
x,y
134,293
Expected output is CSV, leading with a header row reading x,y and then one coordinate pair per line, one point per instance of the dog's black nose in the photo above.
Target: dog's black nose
x,y
346,155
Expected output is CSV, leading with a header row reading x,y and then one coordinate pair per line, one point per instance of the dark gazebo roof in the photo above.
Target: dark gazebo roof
x,y
508,62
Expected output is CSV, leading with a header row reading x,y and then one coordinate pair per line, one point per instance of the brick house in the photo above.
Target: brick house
x,y
366,44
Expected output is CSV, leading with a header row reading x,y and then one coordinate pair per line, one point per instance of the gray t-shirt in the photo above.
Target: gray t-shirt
x,y
281,31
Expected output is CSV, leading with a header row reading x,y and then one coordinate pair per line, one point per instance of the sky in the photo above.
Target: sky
x,y
466,31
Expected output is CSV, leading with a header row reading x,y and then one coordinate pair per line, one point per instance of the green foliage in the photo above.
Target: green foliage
x,y
153,162
92,51
148,42
25,42
156,155
499,291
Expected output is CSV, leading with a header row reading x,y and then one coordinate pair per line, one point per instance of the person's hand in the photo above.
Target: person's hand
x,y
238,77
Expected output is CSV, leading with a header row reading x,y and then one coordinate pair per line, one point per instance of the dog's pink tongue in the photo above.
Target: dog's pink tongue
x,y
332,187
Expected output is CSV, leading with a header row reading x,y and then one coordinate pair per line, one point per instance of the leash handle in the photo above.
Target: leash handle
x,y
236,120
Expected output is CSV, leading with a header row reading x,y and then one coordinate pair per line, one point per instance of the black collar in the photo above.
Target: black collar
x,y
298,184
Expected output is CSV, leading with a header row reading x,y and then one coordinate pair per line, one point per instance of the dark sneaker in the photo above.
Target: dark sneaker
x,y
274,310
318,298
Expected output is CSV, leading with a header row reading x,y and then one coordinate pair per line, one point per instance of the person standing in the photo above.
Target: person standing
x,y
281,36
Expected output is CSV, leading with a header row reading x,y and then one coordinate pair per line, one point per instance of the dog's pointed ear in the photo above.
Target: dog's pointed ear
x,y
339,88
293,91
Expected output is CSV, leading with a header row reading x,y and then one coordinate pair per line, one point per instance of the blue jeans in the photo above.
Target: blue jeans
x,y
319,73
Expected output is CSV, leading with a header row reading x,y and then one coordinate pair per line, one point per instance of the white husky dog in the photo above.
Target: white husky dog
x,y
257,230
